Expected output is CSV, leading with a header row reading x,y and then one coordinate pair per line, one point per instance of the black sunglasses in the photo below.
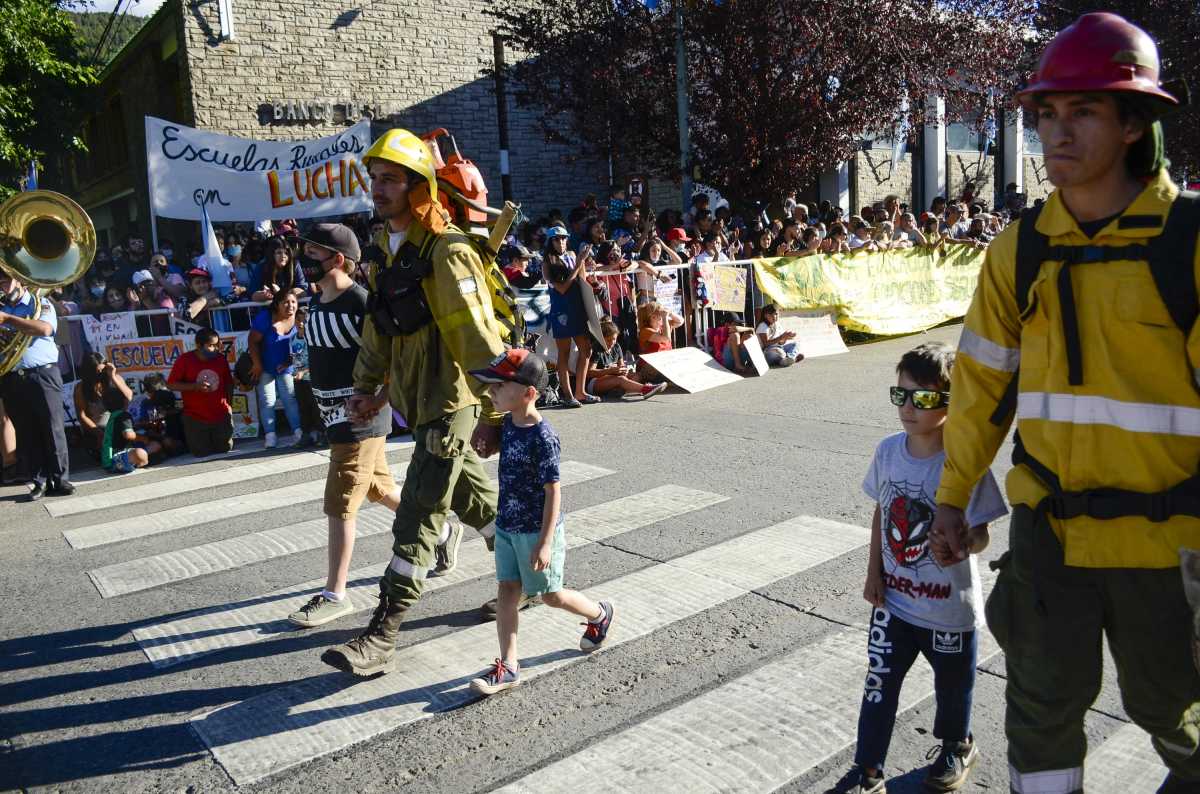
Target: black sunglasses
x,y
924,399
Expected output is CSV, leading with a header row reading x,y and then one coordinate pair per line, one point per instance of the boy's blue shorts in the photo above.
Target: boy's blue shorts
x,y
513,550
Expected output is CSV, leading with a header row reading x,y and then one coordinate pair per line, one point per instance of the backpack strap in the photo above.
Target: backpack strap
x,y
1033,248
1172,260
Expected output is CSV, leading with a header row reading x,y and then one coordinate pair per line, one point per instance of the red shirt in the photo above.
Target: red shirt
x,y
649,345
207,406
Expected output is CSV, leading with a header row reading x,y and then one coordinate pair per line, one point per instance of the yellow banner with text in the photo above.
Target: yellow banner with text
x,y
884,293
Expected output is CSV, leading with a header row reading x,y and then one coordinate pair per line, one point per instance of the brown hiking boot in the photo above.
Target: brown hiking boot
x,y
371,652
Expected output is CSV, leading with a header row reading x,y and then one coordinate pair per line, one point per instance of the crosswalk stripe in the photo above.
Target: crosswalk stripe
x,y
755,733
287,726
97,475
230,553
244,622
1125,764
192,482
94,476
190,515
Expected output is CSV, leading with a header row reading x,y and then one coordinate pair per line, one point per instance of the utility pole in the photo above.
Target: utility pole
x,y
502,116
681,108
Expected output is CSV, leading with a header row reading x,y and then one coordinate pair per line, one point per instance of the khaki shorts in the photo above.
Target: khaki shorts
x,y
357,470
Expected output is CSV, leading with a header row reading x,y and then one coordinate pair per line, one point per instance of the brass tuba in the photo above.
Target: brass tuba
x,y
46,241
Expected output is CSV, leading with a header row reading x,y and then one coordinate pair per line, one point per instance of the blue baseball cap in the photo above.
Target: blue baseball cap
x,y
556,231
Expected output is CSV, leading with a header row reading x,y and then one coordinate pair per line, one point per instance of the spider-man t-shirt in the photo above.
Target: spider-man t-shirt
x,y
919,590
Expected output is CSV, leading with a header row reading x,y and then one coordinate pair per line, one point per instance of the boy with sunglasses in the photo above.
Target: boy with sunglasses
x,y
919,607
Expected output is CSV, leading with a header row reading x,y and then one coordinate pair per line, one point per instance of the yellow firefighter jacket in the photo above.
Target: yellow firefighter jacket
x,y
426,371
1134,423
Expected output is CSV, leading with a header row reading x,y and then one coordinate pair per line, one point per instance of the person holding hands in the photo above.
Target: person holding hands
x,y
531,544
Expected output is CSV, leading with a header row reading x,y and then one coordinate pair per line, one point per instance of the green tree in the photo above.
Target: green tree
x,y
779,89
42,82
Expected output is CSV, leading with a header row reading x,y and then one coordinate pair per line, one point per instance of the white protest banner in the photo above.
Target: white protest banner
x,y
105,328
247,180
690,368
816,332
755,351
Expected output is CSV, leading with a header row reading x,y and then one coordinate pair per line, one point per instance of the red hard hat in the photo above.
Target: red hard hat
x,y
1099,52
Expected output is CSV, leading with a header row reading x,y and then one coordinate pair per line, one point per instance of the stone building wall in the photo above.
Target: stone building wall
x,y
1036,184
418,62
877,179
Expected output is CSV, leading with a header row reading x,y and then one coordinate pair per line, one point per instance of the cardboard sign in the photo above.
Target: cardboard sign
x,y
668,295
817,333
240,179
726,286
757,358
106,328
691,369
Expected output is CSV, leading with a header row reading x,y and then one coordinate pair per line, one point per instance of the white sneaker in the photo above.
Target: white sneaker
x,y
269,441
294,439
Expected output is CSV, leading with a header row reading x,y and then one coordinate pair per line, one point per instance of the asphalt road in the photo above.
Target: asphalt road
x,y
83,708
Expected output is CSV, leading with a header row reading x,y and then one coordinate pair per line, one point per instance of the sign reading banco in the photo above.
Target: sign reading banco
x,y
316,111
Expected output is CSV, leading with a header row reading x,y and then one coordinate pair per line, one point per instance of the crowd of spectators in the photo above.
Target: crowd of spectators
x,y
620,247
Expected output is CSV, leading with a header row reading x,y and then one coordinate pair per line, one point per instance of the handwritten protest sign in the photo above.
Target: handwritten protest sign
x,y
101,330
668,295
726,286
241,179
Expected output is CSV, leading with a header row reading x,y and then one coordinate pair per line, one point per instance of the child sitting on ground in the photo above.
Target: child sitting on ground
x,y
919,607
609,371
123,448
530,541
778,347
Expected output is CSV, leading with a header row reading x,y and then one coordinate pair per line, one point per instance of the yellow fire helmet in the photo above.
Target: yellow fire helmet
x,y
403,148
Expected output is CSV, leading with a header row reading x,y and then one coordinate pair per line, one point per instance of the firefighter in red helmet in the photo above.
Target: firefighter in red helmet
x,y
1083,329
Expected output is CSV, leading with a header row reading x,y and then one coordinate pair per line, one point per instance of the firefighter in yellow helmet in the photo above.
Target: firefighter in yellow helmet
x,y
1084,327
431,320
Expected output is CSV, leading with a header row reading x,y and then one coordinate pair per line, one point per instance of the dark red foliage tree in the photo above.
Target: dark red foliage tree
x,y
1176,28
780,89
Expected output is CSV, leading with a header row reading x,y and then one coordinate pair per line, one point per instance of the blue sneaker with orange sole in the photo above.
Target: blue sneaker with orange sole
x,y
596,633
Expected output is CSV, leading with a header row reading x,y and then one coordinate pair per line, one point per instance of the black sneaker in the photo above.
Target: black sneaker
x,y
857,781
953,764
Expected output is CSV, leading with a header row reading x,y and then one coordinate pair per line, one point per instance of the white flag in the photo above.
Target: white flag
x,y
213,260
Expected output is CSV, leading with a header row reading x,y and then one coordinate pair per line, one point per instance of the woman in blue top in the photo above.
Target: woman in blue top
x,y
270,347
568,317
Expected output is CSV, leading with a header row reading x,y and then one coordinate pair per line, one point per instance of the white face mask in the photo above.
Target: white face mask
x,y
97,290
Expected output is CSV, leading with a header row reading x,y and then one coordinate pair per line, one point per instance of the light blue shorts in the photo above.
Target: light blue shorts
x,y
513,550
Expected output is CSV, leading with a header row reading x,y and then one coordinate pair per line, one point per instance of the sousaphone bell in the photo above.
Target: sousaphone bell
x,y
46,241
